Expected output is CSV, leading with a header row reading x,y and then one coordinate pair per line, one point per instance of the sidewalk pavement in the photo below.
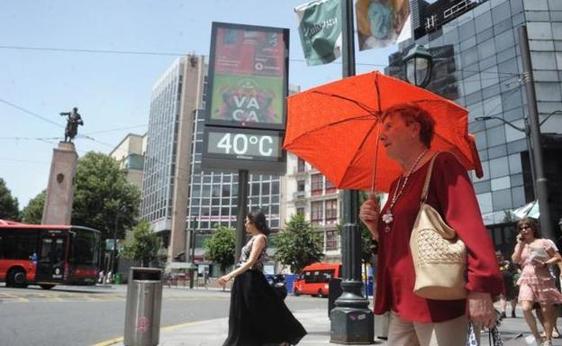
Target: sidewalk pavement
x,y
317,324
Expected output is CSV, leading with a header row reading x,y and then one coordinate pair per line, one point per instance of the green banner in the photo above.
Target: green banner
x,y
320,29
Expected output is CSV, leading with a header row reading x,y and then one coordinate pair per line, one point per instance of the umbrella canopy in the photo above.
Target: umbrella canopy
x,y
335,127
528,210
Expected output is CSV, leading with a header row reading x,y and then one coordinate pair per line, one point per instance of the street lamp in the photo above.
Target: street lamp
x,y
418,64
526,129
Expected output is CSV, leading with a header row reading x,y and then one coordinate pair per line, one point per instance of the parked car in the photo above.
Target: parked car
x,y
278,284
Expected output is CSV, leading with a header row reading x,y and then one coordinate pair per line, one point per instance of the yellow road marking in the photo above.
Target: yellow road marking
x,y
109,342
163,329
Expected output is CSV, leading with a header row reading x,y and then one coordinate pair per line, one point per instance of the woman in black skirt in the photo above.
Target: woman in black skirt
x,y
257,315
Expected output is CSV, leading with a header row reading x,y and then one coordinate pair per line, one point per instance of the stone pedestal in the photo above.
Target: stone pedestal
x,y
60,190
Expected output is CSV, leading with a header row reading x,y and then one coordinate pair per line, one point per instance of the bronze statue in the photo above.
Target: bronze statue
x,y
74,119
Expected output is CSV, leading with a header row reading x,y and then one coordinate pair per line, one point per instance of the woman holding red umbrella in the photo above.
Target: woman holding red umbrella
x,y
407,132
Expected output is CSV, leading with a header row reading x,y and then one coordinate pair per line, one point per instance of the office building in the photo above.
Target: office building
x,y
308,192
183,203
129,153
478,65
213,197
176,96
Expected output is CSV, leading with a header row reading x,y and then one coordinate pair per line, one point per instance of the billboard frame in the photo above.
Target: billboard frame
x,y
211,77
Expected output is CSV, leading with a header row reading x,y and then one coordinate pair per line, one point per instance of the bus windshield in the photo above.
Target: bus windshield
x,y
85,247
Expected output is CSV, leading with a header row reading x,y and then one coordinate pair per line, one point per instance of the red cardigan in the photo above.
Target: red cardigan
x,y
452,194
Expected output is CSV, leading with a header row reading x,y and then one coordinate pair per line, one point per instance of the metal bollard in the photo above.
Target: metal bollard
x,y
144,302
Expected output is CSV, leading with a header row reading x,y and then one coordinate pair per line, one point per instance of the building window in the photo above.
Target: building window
x,y
332,240
316,212
300,186
316,184
330,188
332,211
300,211
300,165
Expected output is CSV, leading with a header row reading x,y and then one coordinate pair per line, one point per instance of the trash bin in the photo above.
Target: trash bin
x,y
290,282
144,302
334,292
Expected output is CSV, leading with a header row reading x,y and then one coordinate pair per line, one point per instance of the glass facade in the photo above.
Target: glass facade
x,y
160,154
213,197
486,75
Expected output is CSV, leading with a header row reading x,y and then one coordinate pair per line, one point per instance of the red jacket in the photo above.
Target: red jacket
x,y
451,193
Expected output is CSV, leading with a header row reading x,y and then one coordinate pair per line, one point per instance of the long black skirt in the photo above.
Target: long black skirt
x,y
258,316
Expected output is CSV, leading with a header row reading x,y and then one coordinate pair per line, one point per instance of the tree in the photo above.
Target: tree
x,y
103,197
298,245
9,208
144,244
220,247
33,212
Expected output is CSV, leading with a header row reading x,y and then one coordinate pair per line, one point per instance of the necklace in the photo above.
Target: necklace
x,y
387,217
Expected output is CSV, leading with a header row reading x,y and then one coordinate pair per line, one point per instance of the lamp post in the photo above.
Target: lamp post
x,y
534,127
418,64
351,321
527,131
120,210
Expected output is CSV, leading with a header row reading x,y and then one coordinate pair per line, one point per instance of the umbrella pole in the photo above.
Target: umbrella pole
x,y
345,327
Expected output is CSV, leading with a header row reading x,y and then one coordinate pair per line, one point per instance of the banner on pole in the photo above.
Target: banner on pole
x,y
320,30
380,22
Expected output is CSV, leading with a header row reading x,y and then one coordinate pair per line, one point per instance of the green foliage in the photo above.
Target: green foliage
x,y
103,198
144,244
9,208
33,212
220,247
298,245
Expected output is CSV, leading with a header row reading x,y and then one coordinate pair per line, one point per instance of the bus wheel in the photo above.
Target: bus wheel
x,y
47,287
321,294
17,278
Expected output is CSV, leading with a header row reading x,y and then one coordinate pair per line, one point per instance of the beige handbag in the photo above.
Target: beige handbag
x,y
439,255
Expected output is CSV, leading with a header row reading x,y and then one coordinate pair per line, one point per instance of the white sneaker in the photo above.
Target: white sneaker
x,y
547,343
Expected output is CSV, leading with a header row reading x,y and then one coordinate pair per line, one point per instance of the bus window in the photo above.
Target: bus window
x,y
18,246
46,250
84,249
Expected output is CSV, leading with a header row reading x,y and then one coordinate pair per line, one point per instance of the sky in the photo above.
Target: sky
x,y
111,90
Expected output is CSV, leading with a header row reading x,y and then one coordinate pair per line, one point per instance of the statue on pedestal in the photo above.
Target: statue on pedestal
x,y
74,119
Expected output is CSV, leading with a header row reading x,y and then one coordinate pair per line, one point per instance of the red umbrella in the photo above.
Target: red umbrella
x,y
335,127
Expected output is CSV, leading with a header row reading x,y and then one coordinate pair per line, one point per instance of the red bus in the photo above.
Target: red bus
x,y
314,279
48,255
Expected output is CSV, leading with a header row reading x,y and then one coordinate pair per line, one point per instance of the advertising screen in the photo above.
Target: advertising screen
x,y
248,76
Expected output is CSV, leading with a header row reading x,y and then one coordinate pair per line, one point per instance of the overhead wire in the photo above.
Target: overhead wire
x,y
26,111
178,54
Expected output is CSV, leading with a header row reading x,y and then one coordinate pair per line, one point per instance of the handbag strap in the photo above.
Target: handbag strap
x,y
428,179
